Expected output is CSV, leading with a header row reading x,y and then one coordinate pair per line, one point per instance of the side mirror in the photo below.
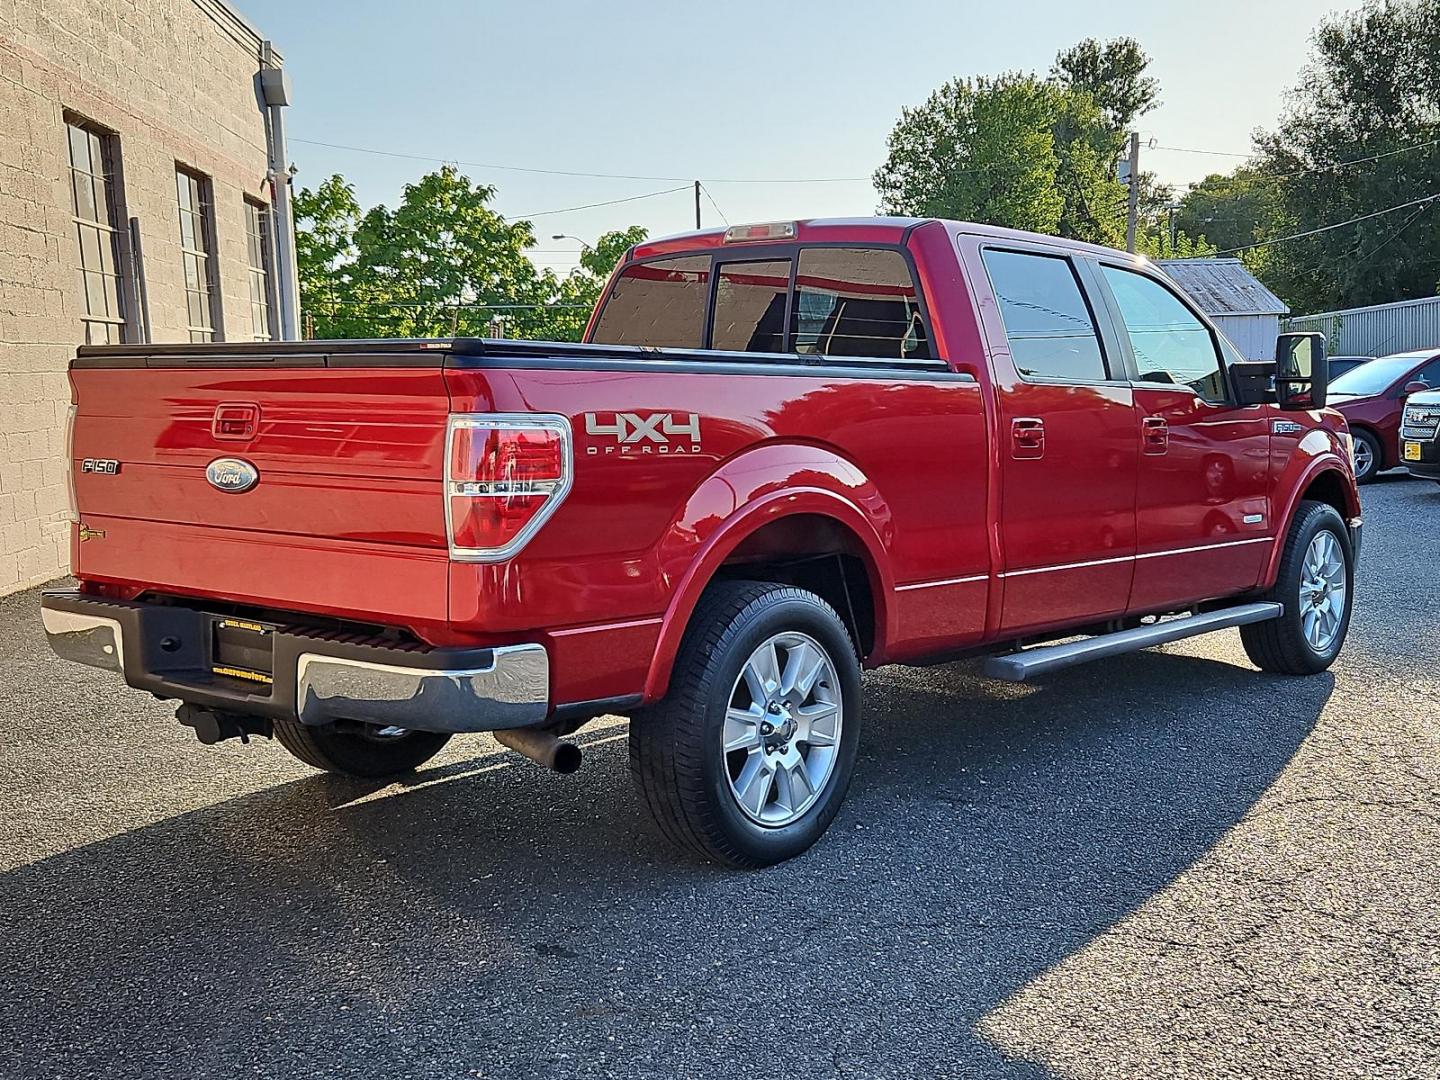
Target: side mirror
x,y
1414,386
1302,376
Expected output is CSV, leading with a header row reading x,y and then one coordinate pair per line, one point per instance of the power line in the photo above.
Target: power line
x,y
1327,228
1357,161
575,172
1331,167
713,203
803,179
1397,233
445,305
591,206
1172,149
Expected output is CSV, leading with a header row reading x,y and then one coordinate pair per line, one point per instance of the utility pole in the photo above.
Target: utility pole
x,y
697,204
1133,210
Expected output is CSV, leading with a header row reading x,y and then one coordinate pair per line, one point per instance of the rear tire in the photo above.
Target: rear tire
x,y
1369,459
1316,563
792,739
363,753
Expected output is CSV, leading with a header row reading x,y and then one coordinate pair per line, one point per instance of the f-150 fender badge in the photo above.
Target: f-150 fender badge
x,y
651,433
232,475
1286,427
100,466
87,533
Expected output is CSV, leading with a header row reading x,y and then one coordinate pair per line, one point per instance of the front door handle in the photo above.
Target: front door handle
x,y
1027,438
1155,434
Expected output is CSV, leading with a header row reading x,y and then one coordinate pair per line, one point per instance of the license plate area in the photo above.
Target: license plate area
x,y
244,650
1412,451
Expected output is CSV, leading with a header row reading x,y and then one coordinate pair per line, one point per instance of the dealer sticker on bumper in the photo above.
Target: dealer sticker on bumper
x,y
1412,451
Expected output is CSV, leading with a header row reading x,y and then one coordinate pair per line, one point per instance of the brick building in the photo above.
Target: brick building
x,y
138,141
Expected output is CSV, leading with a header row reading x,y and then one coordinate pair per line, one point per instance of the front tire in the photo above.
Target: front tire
x,y
1315,584
747,759
1369,458
361,750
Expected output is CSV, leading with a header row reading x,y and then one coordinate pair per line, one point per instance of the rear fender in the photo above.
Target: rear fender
x,y
746,494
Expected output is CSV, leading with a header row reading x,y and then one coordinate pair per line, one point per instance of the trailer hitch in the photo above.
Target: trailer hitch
x,y
213,725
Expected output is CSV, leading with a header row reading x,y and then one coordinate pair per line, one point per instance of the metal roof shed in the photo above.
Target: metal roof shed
x,y
1245,310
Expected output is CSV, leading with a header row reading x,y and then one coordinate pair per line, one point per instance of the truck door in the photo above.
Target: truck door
x,y
1202,505
1068,445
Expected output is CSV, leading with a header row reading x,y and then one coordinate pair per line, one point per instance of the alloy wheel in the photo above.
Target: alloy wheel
x,y
1364,458
1323,592
781,737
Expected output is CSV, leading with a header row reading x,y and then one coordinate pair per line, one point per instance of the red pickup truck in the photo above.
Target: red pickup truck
x,y
784,452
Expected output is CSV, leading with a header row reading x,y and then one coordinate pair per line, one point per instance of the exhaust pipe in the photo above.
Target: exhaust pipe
x,y
542,748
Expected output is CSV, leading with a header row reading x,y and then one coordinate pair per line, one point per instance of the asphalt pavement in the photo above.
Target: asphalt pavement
x,y
1163,865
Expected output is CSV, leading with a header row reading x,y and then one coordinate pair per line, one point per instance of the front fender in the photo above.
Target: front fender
x,y
745,494
1318,453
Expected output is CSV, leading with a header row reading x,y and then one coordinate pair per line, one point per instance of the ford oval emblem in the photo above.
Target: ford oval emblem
x,y
232,474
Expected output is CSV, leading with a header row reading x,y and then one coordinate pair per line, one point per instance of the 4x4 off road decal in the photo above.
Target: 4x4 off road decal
x,y
648,433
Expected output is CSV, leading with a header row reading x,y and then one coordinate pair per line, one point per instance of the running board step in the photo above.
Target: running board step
x,y
1028,663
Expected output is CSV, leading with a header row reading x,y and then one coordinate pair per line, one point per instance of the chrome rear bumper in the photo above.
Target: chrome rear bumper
x,y
167,650
511,691
86,639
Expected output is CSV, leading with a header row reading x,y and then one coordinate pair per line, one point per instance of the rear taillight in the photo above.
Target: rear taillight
x,y
70,463
505,475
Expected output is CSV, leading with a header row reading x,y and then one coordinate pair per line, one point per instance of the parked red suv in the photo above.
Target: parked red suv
x,y
785,452
1372,397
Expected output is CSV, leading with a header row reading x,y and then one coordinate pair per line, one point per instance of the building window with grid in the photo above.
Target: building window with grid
x,y
257,243
96,216
197,253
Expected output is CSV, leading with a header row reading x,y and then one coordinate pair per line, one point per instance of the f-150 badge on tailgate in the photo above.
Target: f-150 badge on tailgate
x,y
650,433
232,475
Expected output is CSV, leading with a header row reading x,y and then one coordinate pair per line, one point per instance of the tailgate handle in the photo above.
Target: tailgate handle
x,y
235,420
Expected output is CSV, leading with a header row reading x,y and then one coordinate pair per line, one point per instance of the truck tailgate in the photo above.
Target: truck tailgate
x,y
347,515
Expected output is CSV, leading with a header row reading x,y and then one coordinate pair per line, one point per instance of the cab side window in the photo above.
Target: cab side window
x,y
1171,345
1048,324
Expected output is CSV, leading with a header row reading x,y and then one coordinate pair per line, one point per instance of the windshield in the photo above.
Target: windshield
x,y
1374,377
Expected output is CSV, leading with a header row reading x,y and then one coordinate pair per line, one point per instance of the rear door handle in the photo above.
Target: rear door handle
x,y
1155,434
1027,438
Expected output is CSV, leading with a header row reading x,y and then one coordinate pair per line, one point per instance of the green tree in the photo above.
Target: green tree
x,y
1233,210
577,292
1015,150
325,223
1371,90
1154,240
442,262
1113,74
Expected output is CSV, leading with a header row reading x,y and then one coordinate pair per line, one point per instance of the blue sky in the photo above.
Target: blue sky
x,y
725,91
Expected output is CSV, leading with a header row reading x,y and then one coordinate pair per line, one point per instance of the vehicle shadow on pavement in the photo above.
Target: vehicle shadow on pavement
x,y
491,919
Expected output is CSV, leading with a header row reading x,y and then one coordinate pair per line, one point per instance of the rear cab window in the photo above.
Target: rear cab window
x,y
660,304
857,302
853,302
750,306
